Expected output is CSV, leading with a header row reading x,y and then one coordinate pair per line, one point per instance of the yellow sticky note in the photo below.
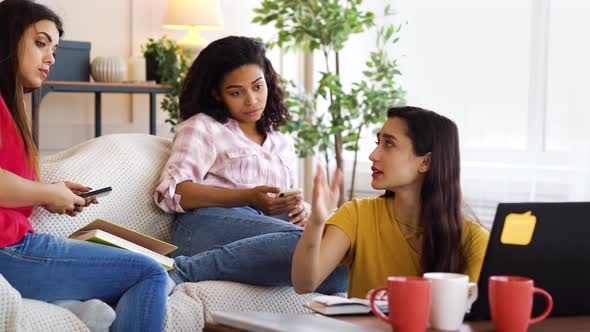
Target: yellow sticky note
x,y
518,228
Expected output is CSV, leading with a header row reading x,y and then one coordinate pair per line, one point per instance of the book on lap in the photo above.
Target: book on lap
x,y
336,305
108,233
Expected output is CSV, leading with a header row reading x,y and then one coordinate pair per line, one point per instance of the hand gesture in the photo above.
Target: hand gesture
x,y
325,195
62,199
271,206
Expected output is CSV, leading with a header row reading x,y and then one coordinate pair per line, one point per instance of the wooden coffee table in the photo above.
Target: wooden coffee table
x,y
569,324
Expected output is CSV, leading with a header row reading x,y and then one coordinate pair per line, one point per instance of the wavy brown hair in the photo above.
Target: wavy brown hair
x,y
217,60
15,17
441,197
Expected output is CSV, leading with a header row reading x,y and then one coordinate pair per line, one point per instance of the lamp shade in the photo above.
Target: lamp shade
x,y
205,14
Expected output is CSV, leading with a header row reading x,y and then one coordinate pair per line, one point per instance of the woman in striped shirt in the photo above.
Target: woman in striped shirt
x,y
227,164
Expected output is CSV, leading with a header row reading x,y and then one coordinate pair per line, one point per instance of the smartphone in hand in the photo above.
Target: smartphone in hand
x,y
289,192
284,193
96,193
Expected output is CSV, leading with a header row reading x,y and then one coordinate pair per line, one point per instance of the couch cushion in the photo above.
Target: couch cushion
x,y
17,314
43,316
10,304
233,296
130,163
183,314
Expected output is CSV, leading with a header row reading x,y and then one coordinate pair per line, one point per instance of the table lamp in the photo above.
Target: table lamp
x,y
193,15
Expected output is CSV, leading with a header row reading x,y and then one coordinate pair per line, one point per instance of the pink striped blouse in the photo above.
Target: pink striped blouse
x,y
208,152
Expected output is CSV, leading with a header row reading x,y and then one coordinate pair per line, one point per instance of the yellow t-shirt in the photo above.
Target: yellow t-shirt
x,y
379,249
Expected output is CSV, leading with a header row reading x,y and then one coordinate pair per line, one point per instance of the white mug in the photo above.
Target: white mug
x,y
451,297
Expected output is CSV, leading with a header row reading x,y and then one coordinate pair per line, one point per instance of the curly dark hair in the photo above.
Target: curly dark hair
x,y
217,60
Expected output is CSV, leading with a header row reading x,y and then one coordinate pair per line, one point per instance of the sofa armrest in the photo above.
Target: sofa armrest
x,y
43,316
183,314
232,296
18,314
10,303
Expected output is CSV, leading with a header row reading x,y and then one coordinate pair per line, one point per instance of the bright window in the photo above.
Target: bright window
x,y
513,76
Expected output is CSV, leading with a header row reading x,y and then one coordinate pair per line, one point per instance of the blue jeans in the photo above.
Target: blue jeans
x,y
240,244
47,268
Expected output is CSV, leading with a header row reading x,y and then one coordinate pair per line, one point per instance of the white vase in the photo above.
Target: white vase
x,y
108,69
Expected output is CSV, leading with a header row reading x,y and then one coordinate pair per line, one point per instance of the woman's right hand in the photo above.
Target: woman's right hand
x,y
325,195
271,206
61,199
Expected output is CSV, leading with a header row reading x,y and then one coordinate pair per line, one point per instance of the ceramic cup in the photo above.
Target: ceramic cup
x,y
511,303
451,297
409,303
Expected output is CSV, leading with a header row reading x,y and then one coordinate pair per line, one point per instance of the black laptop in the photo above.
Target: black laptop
x,y
557,255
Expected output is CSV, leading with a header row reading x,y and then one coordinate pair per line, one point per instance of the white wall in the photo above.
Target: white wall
x,y
118,28
68,119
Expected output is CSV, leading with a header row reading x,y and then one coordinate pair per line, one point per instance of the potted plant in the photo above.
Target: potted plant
x,y
167,63
351,109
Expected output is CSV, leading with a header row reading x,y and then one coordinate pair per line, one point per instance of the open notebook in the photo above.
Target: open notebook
x,y
336,305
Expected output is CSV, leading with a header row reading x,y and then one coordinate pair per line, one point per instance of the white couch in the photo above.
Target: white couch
x,y
131,164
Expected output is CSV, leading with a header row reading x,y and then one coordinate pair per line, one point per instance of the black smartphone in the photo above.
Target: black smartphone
x,y
97,193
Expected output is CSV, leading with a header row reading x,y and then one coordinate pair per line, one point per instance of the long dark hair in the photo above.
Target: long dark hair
x,y
217,60
441,197
15,17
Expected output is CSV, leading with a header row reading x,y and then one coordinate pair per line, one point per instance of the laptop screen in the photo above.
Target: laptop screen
x,y
548,242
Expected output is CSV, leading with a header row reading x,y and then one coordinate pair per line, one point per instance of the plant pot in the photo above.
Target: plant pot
x,y
151,66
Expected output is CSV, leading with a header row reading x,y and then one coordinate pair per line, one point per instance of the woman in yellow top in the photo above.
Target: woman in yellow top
x,y
417,226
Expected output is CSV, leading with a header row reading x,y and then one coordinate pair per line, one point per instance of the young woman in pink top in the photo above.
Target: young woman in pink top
x,y
228,163
42,266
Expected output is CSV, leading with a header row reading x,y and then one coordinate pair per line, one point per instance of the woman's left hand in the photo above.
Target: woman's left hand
x,y
300,214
